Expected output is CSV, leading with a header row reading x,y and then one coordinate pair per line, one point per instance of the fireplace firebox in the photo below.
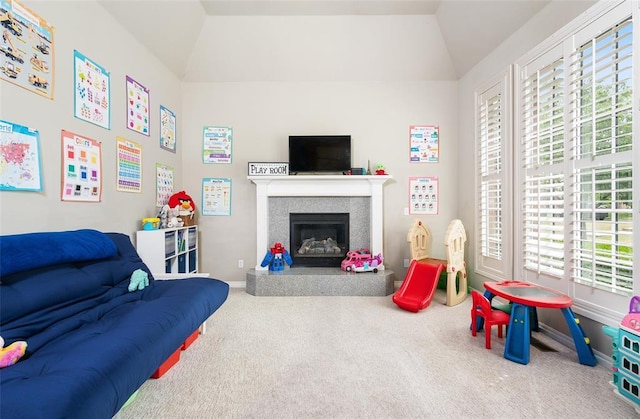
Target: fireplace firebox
x,y
318,239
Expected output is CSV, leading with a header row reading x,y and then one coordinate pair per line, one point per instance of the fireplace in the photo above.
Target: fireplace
x,y
318,239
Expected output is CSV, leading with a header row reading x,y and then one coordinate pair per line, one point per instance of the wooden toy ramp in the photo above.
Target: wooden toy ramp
x,y
419,238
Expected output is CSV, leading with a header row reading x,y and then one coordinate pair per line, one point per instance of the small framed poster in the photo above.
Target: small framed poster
x,y
268,169
423,195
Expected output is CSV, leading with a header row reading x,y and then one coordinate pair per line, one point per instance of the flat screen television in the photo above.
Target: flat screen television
x,y
319,153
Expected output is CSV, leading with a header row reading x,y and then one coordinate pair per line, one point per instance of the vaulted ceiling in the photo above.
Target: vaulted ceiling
x,y
172,29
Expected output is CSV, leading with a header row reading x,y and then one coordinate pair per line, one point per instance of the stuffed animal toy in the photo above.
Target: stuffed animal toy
x,y
139,280
380,170
185,205
12,353
173,218
164,216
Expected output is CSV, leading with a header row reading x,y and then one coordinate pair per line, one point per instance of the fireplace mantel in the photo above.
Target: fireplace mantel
x,y
317,185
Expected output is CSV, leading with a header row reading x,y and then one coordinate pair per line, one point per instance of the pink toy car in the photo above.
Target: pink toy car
x,y
361,261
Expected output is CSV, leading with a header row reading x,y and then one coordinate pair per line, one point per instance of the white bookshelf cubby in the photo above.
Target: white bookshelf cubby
x,y
169,250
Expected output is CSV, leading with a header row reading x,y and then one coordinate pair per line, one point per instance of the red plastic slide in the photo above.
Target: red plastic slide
x,y
418,287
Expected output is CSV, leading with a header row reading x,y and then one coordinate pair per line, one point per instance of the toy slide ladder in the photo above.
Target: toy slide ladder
x,y
583,345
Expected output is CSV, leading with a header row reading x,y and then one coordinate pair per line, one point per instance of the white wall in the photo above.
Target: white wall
x,y
376,114
86,27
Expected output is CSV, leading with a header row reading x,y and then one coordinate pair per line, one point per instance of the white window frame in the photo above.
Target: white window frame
x,y
598,304
492,265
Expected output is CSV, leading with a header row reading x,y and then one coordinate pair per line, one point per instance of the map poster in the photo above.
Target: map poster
x,y
81,168
216,196
92,91
164,184
424,143
167,129
137,107
129,162
20,165
27,49
423,195
217,144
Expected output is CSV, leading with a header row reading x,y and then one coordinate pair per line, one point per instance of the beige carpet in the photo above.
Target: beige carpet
x,y
362,357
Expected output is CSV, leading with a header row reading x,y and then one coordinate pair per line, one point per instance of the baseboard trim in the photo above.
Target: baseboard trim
x,y
237,284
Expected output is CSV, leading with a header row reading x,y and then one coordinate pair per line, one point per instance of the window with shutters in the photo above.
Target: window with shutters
x,y
493,138
575,170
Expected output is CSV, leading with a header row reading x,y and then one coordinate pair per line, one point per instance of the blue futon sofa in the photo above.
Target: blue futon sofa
x,y
91,342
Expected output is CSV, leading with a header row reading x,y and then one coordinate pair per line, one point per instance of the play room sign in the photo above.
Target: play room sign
x,y
268,169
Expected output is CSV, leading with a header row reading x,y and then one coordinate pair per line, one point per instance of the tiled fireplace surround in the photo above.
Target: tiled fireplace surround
x,y
278,196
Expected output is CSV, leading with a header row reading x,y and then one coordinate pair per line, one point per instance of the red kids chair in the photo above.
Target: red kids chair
x,y
482,308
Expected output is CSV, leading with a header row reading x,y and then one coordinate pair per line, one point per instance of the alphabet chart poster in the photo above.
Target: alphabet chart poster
x,y
137,107
92,92
164,184
424,143
216,196
81,168
167,129
129,162
423,195
216,144
20,165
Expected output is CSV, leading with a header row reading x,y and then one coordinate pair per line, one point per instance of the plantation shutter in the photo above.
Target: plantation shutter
x,y
542,132
601,92
492,137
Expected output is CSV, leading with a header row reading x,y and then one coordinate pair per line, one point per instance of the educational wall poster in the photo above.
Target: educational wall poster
x,y
26,36
217,144
20,164
137,107
216,196
92,91
164,184
424,143
129,162
81,168
167,129
423,195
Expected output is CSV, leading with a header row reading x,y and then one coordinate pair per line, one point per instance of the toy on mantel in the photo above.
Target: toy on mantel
x,y
276,257
12,353
380,170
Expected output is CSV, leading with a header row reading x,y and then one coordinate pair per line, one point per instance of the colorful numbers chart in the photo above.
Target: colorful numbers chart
x,y
129,170
92,91
137,107
81,168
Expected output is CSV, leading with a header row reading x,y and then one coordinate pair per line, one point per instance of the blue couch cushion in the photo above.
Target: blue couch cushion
x,y
91,342
23,252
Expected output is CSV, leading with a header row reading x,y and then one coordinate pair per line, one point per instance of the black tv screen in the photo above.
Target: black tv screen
x,y
319,153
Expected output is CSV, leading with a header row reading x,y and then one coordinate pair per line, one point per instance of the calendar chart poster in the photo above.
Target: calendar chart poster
x,y
20,164
92,91
423,195
424,143
216,196
137,107
216,145
164,184
167,129
129,162
81,168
